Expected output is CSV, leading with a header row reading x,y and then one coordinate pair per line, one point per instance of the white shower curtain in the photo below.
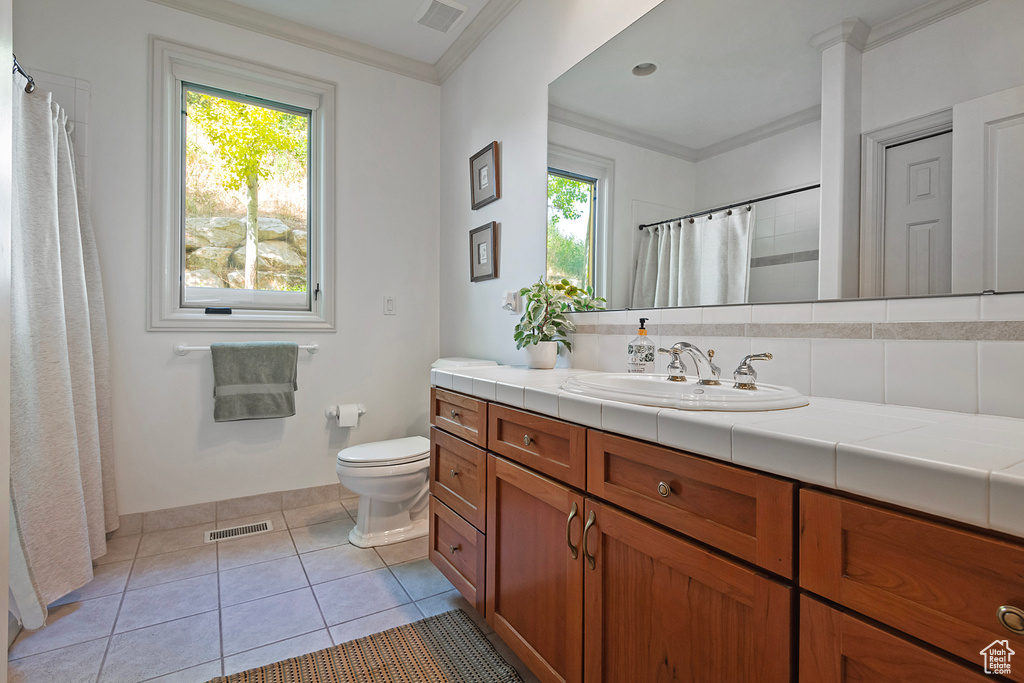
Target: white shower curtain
x,y
62,484
706,262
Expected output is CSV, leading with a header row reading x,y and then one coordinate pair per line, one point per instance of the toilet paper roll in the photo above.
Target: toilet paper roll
x,y
347,415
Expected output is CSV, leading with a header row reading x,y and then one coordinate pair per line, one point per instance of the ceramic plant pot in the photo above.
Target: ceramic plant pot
x,y
542,355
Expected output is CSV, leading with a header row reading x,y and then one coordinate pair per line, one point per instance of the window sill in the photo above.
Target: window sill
x,y
187,319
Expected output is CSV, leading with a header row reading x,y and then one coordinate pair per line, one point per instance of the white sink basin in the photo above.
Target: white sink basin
x,y
657,390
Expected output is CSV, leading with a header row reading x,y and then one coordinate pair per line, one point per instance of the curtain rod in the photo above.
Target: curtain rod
x,y
31,85
732,206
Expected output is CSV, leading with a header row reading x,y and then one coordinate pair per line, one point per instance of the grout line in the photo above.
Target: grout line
x,y
220,613
190,666
310,586
117,616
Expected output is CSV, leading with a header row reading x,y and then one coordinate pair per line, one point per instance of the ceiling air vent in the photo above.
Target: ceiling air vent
x,y
440,16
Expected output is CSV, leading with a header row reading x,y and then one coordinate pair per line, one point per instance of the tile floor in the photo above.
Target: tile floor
x,y
166,607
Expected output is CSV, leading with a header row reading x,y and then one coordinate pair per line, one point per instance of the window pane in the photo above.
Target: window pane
x,y
570,228
246,199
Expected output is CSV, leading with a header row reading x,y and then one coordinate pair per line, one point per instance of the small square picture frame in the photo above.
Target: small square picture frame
x,y
483,252
485,176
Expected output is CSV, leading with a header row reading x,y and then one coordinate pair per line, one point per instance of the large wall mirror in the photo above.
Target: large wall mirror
x,y
789,150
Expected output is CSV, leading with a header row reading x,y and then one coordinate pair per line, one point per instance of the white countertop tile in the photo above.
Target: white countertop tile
x,y
956,465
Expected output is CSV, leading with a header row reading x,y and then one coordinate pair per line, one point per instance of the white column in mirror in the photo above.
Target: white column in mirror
x,y
841,52
988,172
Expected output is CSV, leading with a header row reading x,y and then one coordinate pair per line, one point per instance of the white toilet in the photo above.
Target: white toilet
x,y
391,478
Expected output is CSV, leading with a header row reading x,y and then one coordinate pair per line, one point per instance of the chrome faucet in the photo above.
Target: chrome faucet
x,y
745,375
676,369
707,372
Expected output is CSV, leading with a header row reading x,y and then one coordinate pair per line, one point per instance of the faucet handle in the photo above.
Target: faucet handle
x,y
715,370
676,369
745,375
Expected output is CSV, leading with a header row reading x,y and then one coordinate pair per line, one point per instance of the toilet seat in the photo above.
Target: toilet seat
x,y
385,453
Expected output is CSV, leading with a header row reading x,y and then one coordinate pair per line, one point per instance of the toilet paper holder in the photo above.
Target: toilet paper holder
x,y
339,412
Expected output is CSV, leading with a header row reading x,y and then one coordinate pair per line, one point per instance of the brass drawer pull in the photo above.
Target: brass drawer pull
x,y
1012,619
527,440
568,532
664,489
453,474
455,548
455,413
591,560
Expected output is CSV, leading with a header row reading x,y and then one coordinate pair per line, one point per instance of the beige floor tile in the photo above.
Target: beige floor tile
x,y
446,602
268,620
175,518
315,514
320,536
128,525
512,659
375,623
360,595
107,579
162,649
119,549
167,601
300,498
276,520
69,625
256,581
406,551
262,548
340,561
173,539
275,652
421,579
75,664
249,505
203,672
174,566
351,505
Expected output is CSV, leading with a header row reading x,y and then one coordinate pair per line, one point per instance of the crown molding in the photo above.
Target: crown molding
x,y
270,25
621,133
486,20
852,31
768,130
915,19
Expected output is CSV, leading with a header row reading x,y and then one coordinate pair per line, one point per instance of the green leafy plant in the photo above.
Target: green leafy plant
x,y
545,306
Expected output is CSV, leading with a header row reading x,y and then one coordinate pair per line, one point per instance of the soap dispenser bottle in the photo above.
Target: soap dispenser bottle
x,y
640,352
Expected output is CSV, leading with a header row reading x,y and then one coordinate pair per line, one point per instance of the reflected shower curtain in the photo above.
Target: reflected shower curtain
x,y
702,263
62,481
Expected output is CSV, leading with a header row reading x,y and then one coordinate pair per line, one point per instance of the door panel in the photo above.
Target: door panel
x,y
534,584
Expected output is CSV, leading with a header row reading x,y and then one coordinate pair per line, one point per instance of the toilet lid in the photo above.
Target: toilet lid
x,y
378,453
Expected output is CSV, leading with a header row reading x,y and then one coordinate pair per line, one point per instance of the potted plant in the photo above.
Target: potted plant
x,y
544,325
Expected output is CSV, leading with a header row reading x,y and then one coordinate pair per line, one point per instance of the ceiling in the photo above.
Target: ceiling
x,y
725,68
385,24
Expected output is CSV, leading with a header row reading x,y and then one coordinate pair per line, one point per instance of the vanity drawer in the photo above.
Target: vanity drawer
x,y
743,513
458,476
552,447
459,552
460,415
836,647
933,581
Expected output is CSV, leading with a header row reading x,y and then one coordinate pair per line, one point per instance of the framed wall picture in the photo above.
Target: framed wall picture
x,y
483,252
484,176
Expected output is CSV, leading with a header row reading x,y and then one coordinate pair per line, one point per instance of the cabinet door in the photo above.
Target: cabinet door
x,y
534,584
659,608
838,648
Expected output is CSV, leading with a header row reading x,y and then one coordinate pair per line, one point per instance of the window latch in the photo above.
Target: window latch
x,y
316,292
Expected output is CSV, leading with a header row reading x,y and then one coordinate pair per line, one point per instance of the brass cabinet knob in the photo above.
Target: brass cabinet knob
x,y
568,532
591,560
453,473
455,548
1012,619
527,440
664,489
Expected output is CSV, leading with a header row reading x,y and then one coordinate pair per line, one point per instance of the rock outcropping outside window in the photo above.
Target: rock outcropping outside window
x,y
215,254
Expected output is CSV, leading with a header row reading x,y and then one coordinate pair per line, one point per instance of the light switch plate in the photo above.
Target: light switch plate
x,y
389,305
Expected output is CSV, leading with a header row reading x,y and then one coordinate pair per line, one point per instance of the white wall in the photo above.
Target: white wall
x,y
500,93
973,53
169,452
782,162
5,302
641,175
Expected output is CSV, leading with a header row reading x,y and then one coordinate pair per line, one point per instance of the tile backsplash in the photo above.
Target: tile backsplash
x,y
961,353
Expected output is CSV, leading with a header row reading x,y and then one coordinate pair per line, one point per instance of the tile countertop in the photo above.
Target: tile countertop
x,y
964,467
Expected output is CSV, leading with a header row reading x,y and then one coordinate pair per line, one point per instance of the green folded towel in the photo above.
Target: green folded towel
x,y
254,380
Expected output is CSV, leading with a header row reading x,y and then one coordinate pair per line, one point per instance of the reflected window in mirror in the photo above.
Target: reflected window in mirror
x,y
572,222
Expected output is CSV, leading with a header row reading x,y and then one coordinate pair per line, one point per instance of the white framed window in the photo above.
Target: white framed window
x,y
242,180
